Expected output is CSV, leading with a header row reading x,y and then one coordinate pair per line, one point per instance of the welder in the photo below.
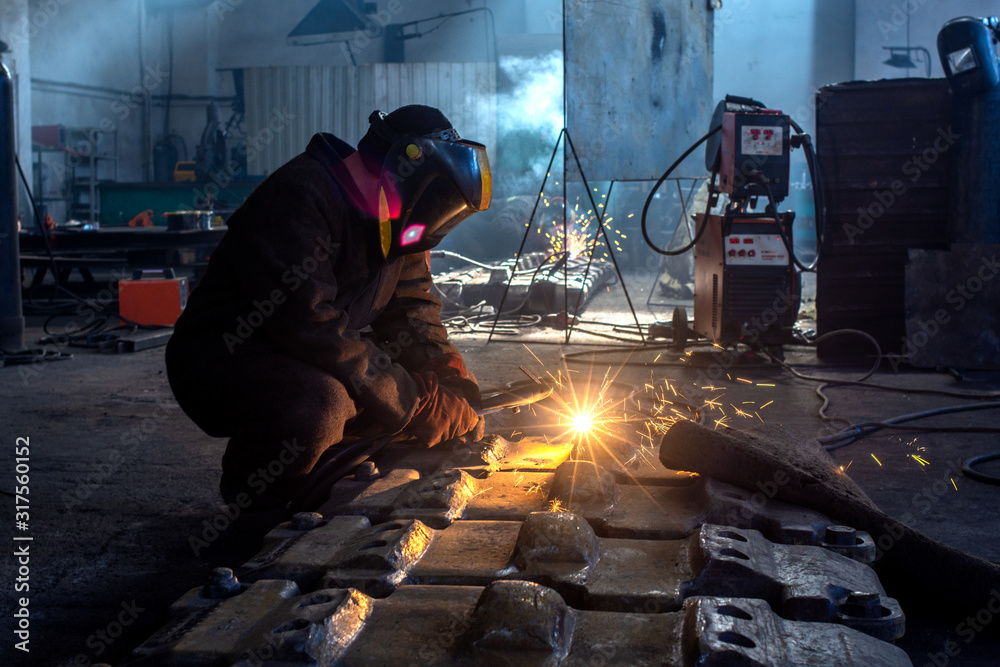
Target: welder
x,y
314,324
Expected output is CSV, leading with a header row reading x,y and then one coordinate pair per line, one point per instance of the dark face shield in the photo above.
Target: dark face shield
x,y
429,186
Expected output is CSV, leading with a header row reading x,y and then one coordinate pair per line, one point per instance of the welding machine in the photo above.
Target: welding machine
x,y
745,287
744,276
745,280
152,302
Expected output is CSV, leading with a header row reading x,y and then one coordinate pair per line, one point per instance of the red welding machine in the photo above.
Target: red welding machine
x,y
152,302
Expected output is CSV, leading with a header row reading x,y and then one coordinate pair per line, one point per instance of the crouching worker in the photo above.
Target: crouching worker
x,y
314,324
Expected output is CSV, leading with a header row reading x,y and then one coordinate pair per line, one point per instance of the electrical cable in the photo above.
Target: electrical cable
x,y
772,206
819,199
38,221
856,431
969,471
649,199
437,254
852,431
32,356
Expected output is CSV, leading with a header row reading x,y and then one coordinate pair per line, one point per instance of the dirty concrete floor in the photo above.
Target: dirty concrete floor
x,y
121,481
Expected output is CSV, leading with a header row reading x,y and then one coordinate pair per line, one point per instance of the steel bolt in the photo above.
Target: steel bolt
x,y
306,520
840,536
222,583
864,605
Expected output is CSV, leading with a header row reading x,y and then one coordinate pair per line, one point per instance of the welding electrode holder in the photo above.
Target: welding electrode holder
x,y
512,396
317,487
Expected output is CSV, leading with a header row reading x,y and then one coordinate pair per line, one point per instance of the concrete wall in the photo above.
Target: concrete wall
x,y
781,51
882,23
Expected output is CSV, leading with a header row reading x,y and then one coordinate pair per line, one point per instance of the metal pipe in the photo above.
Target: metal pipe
x,y
11,317
71,87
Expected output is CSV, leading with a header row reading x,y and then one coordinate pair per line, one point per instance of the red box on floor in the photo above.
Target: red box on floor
x,y
154,302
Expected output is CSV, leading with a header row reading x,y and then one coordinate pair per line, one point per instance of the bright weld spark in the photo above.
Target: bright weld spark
x,y
761,384
742,380
533,354
849,465
953,483
766,404
876,460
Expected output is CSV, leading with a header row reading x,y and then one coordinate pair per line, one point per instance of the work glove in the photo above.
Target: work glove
x,y
452,373
441,415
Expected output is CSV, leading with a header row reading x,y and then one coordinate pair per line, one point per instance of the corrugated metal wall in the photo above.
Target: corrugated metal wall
x,y
285,106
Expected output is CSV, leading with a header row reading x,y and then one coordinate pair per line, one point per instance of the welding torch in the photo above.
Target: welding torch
x,y
513,397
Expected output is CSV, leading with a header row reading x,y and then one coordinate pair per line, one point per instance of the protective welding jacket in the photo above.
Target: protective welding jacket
x,y
301,269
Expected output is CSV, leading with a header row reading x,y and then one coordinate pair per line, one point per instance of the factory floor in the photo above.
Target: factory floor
x,y
121,481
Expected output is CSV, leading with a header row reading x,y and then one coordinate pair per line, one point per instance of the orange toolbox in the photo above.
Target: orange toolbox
x,y
151,301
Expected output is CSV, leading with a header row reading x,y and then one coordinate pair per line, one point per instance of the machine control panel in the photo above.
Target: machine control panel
x,y
755,249
762,140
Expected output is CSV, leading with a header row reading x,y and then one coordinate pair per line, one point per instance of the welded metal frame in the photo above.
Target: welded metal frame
x,y
599,213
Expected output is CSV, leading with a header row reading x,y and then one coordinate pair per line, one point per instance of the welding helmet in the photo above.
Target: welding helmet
x,y
967,47
429,182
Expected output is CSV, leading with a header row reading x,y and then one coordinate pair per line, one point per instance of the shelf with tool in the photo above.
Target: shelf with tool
x,y
82,158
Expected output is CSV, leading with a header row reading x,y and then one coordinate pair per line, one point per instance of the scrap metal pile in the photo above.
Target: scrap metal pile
x,y
540,284
564,543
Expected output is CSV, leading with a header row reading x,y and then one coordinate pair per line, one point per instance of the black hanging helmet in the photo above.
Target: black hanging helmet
x,y
430,179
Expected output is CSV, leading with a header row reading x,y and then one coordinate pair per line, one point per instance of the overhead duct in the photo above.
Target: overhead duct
x,y
331,21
